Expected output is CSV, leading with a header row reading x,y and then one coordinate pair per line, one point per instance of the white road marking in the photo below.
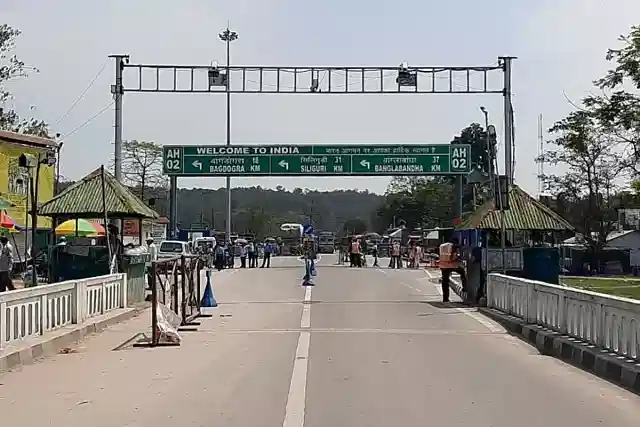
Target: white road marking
x,y
296,399
487,323
306,309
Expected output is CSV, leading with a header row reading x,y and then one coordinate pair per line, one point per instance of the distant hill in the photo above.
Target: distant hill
x,y
256,207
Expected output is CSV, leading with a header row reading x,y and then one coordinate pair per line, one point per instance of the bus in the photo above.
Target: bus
x,y
326,242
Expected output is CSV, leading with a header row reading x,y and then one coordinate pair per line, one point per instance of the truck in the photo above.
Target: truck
x,y
291,239
326,242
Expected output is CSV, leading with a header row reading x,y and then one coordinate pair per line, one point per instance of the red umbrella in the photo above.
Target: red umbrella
x,y
6,221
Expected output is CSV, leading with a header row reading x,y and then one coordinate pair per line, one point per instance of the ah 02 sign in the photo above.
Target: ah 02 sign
x,y
173,159
459,158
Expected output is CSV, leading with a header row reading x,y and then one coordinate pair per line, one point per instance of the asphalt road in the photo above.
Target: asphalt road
x,y
369,347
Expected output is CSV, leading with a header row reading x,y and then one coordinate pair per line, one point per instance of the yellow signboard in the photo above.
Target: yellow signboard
x,y
14,183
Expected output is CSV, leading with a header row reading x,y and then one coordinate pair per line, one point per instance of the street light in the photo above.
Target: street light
x,y
497,192
228,36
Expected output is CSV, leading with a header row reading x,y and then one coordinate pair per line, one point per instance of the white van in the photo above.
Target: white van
x,y
172,248
202,242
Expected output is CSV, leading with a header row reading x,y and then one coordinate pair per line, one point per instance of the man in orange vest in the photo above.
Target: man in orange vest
x,y
450,262
396,258
355,253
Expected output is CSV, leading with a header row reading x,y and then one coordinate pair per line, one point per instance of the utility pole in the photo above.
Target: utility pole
x,y
228,36
506,62
117,91
497,191
540,156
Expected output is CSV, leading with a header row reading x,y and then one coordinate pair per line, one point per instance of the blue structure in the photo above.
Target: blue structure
x,y
208,299
528,221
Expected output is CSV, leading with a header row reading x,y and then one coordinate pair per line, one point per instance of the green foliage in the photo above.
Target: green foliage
x,y
617,109
355,226
12,68
593,163
262,211
476,136
419,201
598,146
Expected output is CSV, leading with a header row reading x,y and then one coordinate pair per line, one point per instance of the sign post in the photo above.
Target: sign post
x,y
317,160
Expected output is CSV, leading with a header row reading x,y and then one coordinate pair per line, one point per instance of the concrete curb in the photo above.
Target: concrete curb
x,y
28,351
609,366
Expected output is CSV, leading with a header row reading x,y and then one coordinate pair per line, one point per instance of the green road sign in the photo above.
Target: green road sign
x,y
316,160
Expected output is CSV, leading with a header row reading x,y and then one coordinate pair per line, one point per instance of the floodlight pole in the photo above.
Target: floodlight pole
x,y
228,36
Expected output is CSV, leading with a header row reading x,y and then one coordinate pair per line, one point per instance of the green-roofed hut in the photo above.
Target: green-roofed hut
x,y
83,199
532,230
97,196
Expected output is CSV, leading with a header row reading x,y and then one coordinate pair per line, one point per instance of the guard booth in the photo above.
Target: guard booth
x,y
532,233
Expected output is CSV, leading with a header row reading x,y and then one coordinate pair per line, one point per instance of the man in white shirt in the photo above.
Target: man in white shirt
x,y
152,249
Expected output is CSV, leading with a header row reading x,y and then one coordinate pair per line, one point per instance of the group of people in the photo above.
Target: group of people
x,y
357,253
450,261
250,254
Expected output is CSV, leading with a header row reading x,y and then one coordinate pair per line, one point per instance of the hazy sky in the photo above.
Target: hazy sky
x,y
560,45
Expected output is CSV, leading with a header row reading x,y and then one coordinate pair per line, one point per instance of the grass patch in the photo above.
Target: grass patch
x,y
620,286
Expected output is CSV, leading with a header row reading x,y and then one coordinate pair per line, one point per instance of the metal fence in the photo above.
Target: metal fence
x,y
178,284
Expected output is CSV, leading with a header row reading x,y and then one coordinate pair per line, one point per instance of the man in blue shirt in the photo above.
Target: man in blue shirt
x,y
310,255
266,258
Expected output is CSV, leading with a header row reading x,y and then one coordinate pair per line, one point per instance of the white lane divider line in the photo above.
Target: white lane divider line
x,y
305,322
484,321
297,396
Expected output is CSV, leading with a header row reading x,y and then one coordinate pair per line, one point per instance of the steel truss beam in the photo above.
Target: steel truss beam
x,y
313,80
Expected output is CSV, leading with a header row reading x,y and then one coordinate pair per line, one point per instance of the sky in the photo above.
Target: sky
x,y
560,45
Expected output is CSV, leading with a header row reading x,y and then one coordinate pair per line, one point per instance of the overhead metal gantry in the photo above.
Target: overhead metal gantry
x,y
312,80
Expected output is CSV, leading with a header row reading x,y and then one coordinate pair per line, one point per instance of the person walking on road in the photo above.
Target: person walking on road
x,y
396,258
252,255
417,258
152,249
309,256
6,265
374,254
244,251
354,253
219,252
449,263
266,258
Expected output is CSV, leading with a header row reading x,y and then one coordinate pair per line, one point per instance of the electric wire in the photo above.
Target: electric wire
x,y
91,83
92,118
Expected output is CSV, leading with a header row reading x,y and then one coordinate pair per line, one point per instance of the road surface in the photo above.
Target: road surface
x,y
373,348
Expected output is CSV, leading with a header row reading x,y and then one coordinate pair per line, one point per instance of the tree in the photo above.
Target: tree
x,y
142,166
419,201
618,107
593,164
253,220
355,226
12,68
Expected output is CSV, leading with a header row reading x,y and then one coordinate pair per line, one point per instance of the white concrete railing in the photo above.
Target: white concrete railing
x,y
609,322
31,312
